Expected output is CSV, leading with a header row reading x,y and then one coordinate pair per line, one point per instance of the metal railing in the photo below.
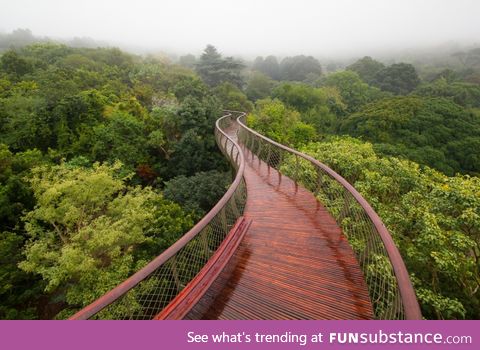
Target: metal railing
x,y
146,293
386,276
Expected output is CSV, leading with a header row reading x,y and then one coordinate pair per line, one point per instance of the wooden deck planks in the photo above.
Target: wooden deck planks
x,y
293,263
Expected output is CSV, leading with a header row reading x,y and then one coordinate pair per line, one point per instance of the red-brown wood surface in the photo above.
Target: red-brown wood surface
x,y
293,263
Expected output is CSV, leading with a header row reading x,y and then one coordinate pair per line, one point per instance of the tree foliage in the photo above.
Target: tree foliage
x,y
354,92
273,119
434,219
399,78
300,68
432,131
319,107
268,66
464,94
197,193
86,228
366,68
232,98
214,69
62,110
259,86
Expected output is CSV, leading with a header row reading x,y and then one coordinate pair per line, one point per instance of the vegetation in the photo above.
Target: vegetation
x,y
366,68
433,215
296,68
214,69
432,131
106,158
88,137
89,230
434,219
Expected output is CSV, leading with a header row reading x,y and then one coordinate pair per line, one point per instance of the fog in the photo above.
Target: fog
x,y
252,27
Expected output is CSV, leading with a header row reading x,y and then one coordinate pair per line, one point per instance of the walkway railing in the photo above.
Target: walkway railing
x,y
146,293
390,289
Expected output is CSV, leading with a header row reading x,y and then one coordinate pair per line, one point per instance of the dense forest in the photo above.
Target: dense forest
x,y
99,151
106,158
411,148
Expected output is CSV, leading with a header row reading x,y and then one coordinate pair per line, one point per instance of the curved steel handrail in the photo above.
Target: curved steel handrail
x,y
408,298
237,189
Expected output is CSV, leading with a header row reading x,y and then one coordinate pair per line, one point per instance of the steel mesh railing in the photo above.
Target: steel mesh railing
x,y
389,286
150,290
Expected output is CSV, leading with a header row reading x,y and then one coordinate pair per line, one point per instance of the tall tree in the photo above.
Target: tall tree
x,y
366,68
298,68
87,226
259,86
399,78
432,131
214,69
355,93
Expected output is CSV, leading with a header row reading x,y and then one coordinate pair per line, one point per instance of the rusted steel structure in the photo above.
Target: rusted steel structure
x,y
304,244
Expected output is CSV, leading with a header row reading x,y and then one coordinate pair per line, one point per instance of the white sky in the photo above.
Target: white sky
x,y
251,27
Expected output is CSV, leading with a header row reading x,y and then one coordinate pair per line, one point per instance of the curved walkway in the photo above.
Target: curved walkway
x,y
294,262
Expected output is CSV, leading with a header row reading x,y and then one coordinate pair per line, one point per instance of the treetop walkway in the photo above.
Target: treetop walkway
x,y
290,239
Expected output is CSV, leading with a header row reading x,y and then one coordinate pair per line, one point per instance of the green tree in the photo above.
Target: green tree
x,y
197,193
85,229
121,138
14,64
259,86
276,121
399,78
366,68
268,66
319,107
299,68
17,38
354,92
434,219
232,98
19,292
214,69
432,131
464,94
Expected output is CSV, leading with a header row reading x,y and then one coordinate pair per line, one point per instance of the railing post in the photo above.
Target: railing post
x,y
296,172
235,210
268,158
225,146
346,205
204,239
176,278
280,161
250,144
231,152
260,143
223,218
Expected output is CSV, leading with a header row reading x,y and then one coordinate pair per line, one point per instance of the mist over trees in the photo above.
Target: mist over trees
x,y
107,158
296,68
413,155
214,69
21,37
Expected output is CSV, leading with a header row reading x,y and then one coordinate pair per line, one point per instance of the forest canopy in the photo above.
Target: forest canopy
x,y
412,153
89,139
107,158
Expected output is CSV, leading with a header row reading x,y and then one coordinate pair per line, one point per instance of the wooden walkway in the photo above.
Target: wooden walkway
x,y
294,262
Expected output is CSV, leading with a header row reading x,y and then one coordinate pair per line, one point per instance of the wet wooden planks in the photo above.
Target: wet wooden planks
x,y
293,263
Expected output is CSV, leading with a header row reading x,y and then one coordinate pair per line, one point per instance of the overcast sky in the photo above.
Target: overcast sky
x,y
251,27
